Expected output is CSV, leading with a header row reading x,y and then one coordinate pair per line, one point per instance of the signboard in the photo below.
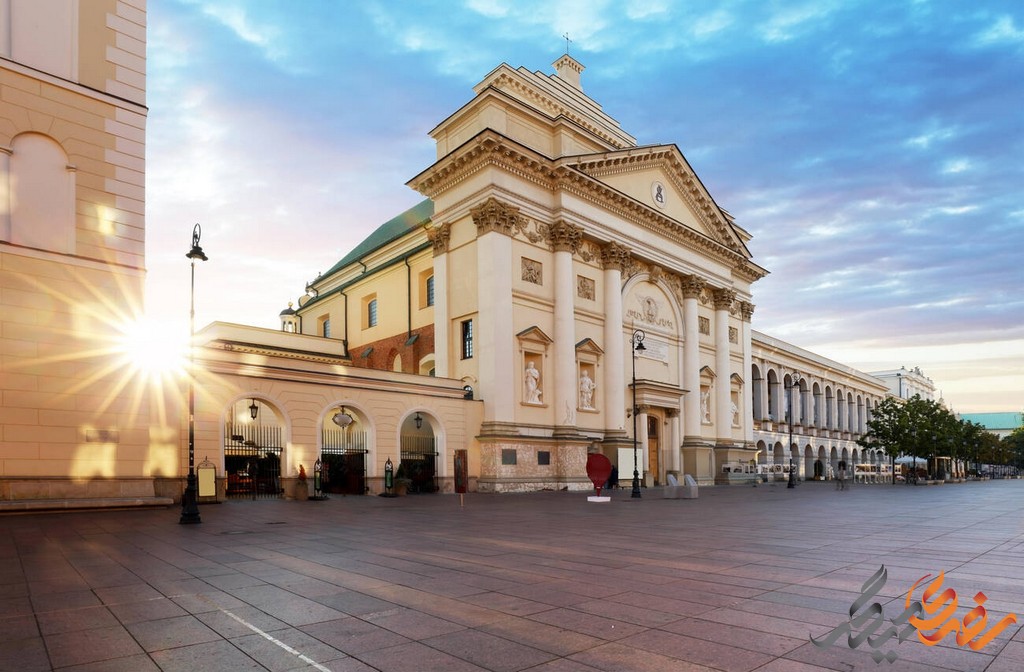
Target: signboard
x,y
461,472
654,349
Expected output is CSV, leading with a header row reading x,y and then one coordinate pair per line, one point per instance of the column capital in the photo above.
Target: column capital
x,y
672,413
494,215
565,237
724,298
692,286
747,310
615,256
438,237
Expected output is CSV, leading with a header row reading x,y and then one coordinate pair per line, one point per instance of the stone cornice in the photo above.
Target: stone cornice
x,y
555,108
670,159
491,149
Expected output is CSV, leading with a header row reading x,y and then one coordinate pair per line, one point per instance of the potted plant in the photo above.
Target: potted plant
x,y
302,485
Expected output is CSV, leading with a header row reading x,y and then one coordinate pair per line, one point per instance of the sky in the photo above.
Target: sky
x,y
874,150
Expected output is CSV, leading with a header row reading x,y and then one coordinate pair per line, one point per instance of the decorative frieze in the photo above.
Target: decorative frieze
x,y
532,271
585,287
734,335
704,325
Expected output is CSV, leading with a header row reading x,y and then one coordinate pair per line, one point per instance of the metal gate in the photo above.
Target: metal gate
x,y
419,463
343,462
252,461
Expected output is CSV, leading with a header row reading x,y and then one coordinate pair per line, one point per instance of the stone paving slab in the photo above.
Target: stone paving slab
x,y
735,581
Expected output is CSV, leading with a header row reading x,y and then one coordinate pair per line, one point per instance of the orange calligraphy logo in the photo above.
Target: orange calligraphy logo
x,y
932,618
939,614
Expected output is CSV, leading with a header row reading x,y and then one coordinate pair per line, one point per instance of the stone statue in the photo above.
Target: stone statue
x,y
705,405
587,387
531,379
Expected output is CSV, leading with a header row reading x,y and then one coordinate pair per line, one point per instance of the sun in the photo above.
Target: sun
x,y
155,349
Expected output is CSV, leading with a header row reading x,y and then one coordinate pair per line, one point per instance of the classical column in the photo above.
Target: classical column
x,y
641,429
565,238
692,287
442,344
674,439
746,394
615,258
724,299
494,347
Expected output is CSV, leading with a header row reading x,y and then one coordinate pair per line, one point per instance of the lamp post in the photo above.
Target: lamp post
x,y
638,346
189,503
794,380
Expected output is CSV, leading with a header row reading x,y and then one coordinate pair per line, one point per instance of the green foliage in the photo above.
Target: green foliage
x,y
923,428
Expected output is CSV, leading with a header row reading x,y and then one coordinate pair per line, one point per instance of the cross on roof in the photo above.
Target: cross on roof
x,y
567,41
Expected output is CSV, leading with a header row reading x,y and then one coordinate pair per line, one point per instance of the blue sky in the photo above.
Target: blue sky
x,y
875,150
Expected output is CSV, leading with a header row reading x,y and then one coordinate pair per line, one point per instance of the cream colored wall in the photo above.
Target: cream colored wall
x,y
303,394
70,405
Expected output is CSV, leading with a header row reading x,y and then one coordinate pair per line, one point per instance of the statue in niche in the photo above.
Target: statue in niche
x,y
587,387
531,380
705,405
735,414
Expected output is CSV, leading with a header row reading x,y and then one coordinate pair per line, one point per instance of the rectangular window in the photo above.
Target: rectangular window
x,y
467,339
430,291
543,457
508,455
371,313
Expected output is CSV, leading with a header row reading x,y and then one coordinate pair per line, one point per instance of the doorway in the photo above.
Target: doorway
x,y
653,447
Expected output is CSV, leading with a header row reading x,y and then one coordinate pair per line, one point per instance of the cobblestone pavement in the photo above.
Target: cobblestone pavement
x,y
736,580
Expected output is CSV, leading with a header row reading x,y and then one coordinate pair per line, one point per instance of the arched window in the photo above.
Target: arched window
x,y
42,195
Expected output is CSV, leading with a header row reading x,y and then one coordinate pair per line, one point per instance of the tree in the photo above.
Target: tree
x,y
888,430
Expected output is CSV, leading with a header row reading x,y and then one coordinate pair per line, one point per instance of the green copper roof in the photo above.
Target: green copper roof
x,y
391,230
995,420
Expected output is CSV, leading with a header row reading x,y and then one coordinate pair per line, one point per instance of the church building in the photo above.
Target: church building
x,y
578,284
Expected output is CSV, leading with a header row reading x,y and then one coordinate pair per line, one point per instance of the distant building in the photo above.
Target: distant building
x,y
905,383
1000,424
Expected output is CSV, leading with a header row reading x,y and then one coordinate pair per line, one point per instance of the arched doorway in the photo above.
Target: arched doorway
x,y
418,459
253,448
343,452
653,446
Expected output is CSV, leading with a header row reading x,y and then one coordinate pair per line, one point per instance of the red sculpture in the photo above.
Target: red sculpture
x,y
599,468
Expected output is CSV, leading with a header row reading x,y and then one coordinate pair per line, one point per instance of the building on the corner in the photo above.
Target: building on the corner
x,y
74,419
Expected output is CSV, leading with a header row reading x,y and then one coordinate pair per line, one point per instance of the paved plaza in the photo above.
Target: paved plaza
x,y
736,580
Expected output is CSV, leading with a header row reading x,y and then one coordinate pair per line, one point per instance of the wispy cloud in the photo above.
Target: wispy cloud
x,y
872,149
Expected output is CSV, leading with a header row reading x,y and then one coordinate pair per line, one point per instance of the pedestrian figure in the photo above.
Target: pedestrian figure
x,y
841,482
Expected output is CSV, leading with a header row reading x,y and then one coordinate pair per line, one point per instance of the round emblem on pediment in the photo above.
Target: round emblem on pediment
x,y
658,194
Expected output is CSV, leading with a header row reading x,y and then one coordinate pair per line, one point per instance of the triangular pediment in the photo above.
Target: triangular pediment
x,y
660,177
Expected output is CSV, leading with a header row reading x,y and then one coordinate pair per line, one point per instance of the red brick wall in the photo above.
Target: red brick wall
x,y
384,351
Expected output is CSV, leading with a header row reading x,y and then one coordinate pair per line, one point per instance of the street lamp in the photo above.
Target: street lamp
x,y
254,409
189,503
638,346
794,380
